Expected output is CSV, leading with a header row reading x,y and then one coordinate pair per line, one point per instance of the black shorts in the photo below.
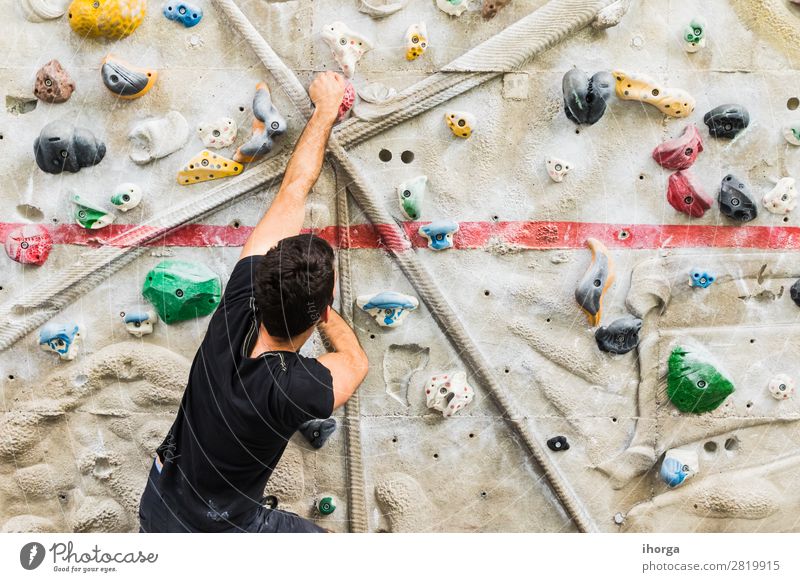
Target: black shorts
x,y
156,517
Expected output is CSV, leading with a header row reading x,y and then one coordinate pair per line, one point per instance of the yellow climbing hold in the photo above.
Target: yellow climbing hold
x,y
416,41
207,166
460,123
671,101
111,19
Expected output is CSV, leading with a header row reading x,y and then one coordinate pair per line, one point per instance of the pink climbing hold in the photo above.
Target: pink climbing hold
x,y
685,195
29,244
348,101
679,153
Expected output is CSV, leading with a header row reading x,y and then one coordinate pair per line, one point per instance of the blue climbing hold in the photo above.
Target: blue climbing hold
x,y
699,278
439,234
184,12
389,308
61,339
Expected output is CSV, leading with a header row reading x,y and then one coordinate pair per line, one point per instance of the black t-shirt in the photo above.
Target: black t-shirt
x,y
236,416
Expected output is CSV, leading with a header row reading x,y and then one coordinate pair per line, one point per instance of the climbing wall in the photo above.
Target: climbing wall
x,y
688,430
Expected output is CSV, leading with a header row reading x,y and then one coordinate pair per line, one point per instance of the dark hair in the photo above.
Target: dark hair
x,y
294,285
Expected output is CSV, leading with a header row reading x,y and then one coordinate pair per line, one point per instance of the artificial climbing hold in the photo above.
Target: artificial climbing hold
x,y
700,278
596,281
219,133
318,431
585,98
111,19
558,444
694,383
670,101
63,147
156,138
377,93
782,199
186,13
416,41
452,7
90,216
267,123
180,290
346,45
686,195
61,339
781,386
126,196
140,322
53,84
29,244
381,8
791,133
735,200
389,308
727,120
460,123
557,168
348,100
680,152
41,10
439,234
794,292
678,465
621,336
207,166
694,35
411,194
490,8
125,80
449,393
326,505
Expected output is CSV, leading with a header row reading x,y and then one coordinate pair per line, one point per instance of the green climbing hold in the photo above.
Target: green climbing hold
x,y
693,383
326,505
180,290
90,216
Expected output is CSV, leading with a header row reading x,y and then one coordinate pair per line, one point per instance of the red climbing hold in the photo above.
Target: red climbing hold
x,y
29,244
685,195
679,153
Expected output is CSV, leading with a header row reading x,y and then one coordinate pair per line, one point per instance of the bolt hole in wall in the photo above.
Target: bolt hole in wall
x,y
385,155
710,447
731,444
793,103
236,223
487,293
407,157
435,455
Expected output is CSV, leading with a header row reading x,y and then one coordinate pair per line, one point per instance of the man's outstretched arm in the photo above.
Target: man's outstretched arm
x,y
285,216
348,363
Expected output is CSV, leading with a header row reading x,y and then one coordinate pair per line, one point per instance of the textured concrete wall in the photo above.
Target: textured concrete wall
x,y
77,438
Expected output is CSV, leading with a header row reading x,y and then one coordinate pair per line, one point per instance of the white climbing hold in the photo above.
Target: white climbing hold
x,y
140,322
219,133
347,46
781,387
389,308
377,93
157,138
381,8
782,199
41,10
557,168
791,133
611,15
126,196
449,393
416,41
452,7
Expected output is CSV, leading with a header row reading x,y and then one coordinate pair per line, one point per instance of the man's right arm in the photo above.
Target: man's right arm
x,y
348,363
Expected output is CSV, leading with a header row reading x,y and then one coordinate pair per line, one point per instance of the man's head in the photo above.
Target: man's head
x,y
294,285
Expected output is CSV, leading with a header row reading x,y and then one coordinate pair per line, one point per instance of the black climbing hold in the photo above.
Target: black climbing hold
x,y
270,501
621,336
558,443
794,292
62,147
726,120
585,98
317,431
735,200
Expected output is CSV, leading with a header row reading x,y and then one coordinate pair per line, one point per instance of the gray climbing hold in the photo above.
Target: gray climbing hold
x,y
794,292
621,336
735,200
558,443
727,120
585,98
318,431
63,147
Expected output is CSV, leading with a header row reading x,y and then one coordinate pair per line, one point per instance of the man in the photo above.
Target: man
x,y
249,389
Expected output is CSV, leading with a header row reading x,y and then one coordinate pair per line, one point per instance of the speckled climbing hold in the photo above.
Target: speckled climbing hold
x,y
621,336
180,290
781,387
670,101
267,123
557,168
140,322
389,308
794,292
694,35
90,216
219,133
611,15
700,278
53,84
585,98
558,444
448,393
111,19
381,8
727,121
685,194
62,147
680,152
41,10
347,46
461,123
439,234
348,100
694,383
416,41
594,284
678,466
317,431
126,196
791,133
452,7
490,8
186,13
125,80
62,339
326,505
29,244
782,199
156,138
411,194
207,166
735,200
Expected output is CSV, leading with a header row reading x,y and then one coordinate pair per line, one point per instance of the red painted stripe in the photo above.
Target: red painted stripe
x,y
471,235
